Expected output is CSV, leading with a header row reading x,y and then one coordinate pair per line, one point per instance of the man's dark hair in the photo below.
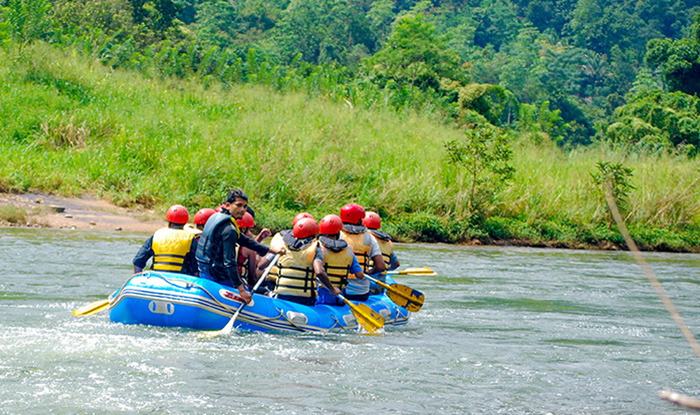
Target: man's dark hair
x,y
251,211
236,194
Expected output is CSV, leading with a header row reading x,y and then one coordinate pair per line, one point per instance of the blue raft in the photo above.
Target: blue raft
x,y
176,300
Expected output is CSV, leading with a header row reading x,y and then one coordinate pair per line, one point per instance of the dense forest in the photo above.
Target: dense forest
x,y
569,71
507,117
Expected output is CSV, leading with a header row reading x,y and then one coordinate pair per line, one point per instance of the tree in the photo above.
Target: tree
x,y
612,179
415,56
655,119
495,104
216,23
678,60
108,16
498,23
486,154
324,31
27,21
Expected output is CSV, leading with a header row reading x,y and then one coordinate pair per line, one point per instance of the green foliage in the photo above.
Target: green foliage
x,y
655,120
415,57
613,178
326,31
493,102
486,155
26,21
71,126
679,60
542,120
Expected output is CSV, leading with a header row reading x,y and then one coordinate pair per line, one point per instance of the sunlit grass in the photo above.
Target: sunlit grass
x,y
73,127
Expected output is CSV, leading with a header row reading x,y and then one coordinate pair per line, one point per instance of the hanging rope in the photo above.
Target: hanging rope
x,y
676,398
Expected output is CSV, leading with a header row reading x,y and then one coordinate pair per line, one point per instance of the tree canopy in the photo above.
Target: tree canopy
x,y
585,59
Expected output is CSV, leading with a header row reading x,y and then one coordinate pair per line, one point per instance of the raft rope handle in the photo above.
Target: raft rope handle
x,y
400,314
192,284
115,294
337,323
288,320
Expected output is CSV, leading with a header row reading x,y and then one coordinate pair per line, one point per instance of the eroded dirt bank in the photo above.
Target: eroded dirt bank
x,y
43,210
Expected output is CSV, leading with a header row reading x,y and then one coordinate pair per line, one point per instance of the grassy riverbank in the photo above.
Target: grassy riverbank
x,y
72,127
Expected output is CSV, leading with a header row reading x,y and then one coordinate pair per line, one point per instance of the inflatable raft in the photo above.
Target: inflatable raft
x,y
176,300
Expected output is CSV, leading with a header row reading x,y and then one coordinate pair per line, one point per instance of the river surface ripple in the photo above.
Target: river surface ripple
x,y
503,331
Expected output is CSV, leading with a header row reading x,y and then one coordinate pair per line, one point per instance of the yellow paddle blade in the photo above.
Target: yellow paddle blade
x,y
92,308
406,297
369,319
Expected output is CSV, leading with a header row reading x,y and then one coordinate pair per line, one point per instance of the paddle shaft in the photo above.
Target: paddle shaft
x,y
362,317
378,282
229,326
92,308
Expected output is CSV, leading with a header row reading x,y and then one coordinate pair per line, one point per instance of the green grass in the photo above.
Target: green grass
x,y
72,127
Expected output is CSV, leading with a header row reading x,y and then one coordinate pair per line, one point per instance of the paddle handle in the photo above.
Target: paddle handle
x,y
264,275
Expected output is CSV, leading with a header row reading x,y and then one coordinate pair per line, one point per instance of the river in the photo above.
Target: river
x,y
503,331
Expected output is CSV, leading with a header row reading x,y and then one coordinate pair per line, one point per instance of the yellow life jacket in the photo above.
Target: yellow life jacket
x,y
294,271
359,239
385,245
337,260
170,246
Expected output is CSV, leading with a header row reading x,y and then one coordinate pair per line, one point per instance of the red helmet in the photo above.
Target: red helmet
x,y
203,215
352,213
301,216
177,214
330,225
246,221
304,228
372,220
219,208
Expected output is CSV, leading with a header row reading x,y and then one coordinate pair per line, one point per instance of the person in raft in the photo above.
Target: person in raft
x,y
172,248
373,222
296,271
200,219
264,233
339,261
247,259
216,250
365,247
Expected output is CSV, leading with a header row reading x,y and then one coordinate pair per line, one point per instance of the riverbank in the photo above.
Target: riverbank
x,y
49,211
42,210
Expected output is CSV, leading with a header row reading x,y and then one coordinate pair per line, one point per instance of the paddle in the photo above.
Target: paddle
x,y
92,308
229,326
403,296
424,271
369,319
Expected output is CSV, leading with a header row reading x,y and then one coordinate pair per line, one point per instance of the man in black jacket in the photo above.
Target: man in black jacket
x,y
216,250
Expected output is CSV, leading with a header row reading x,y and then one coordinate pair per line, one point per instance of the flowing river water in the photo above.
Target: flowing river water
x,y
503,331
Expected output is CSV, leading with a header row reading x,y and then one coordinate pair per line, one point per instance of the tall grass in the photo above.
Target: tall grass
x,y
73,127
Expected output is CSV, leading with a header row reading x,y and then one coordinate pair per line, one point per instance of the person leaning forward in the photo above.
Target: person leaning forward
x,y
296,271
365,247
216,251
